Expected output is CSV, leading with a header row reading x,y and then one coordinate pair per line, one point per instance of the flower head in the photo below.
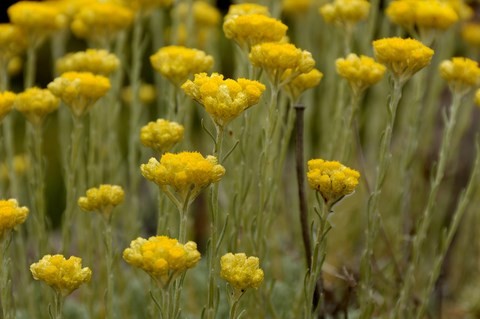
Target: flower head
x,y
403,57
242,9
240,271
95,61
302,82
12,42
471,34
63,275
223,99
7,99
161,135
36,104
360,72
345,12
102,199
177,63
462,74
161,257
79,90
331,179
11,215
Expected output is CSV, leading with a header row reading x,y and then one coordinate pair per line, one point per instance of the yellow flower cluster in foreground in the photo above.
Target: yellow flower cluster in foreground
x,y
223,100
102,199
345,12
11,215
240,271
331,179
361,72
161,135
95,61
7,99
177,63
461,74
35,104
161,257
63,275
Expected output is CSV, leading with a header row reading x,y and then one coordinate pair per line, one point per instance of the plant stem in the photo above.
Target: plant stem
x,y
110,275
5,280
30,72
59,299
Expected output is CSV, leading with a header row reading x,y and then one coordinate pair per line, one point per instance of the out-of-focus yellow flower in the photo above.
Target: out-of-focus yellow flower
x,y
361,72
471,34
462,74
277,58
345,12
204,14
145,6
7,99
101,22
249,30
242,9
146,94
35,104
95,61
63,275
15,66
331,179
21,164
11,215
403,57
463,10
161,135
102,199
477,97
12,42
79,90
186,173
223,100
303,82
240,271
293,7
177,63
161,257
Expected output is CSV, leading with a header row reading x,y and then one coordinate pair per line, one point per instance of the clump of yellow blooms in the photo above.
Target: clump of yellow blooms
x,y
204,14
303,82
331,179
242,9
161,257
35,104
361,72
462,74
345,12
146,93
249,30
63,275
7,99
292,7
79,90
177,63
102,199
223,100
186,173
277,58
403,57
11,215
12,42
471,34
95,61
240,271
161,135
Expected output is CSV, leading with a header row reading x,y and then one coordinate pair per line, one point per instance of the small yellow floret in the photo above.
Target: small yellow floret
x,y
7,99
242,9
63,275
36,104
161,257
12,42
471,34
95,61
177,63
360,72
161,135
102,199
223,100
462,74
331,179
303,82
345,12
11,215
240,271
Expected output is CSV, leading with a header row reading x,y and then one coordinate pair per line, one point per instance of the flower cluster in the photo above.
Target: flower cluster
x,y
95,61
471,34
63,275
11,215
7,99
331,179
301,83
461,74
361,72
12,42
223,99
161,135
240,271
177,63
36,104
102,199
161,257
345,12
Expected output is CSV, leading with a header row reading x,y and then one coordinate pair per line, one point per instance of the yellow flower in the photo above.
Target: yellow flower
x,y
161,257
241,272
302,83
15,66
223,100
101,21
463,10
161,135
146,94
63,275
102,199
7,99
293,7
249,30
186,173
462,74
11,215
277,58
477,97
403,57
331,179
471,34
12,42
95,61
345,12
79,90
204,14
242,9
36,104
21,164
360,72
177,63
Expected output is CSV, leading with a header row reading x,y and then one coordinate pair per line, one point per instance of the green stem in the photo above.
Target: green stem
x,y
30,67
110,275
349,131
234,304
59,299
5,280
